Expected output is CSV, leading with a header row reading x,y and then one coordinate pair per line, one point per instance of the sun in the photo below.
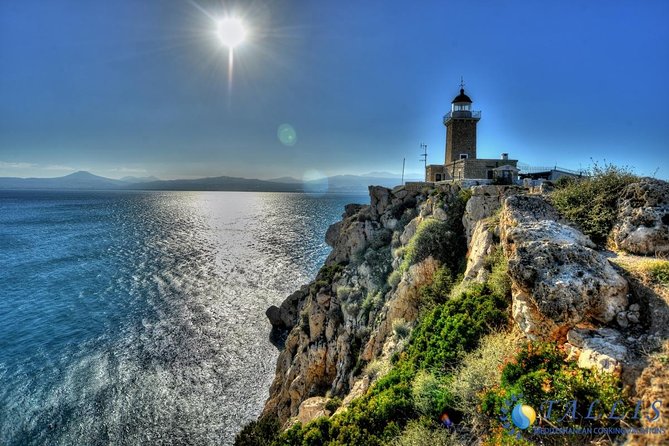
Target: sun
x,y
231,32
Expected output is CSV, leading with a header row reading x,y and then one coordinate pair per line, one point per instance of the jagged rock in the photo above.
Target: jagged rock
x,y
349,237
380,199
484,202
410,230
403,304
481,246
643,218
352,209
601,349
558,280
312,408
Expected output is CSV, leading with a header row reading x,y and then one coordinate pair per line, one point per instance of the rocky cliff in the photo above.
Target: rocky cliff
x,y
339,332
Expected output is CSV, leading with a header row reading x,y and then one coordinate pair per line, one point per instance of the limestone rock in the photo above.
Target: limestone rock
x,y
380,199
481,246
643,218
484,202
558,280
601,349
312,408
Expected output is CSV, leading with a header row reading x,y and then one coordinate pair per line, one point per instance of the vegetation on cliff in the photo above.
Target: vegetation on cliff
x,y
438,351
592,202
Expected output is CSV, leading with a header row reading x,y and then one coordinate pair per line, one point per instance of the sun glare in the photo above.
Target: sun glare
x,y
231,32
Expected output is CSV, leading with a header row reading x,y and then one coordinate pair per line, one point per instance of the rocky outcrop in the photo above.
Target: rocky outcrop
x,y
312,408
602,349
484,202
563,289
643,218
481,246
558,279
338,321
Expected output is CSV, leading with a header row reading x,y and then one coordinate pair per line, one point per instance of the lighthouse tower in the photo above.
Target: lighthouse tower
x,y
460,125
461,161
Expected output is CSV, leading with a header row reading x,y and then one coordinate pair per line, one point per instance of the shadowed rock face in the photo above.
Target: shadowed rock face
x,y
558,279
643,218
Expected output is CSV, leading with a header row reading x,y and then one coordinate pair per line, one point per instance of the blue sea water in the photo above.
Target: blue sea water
x,y
138,317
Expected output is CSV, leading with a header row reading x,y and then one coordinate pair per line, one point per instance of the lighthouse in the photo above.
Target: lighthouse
x,y
460,125
461,161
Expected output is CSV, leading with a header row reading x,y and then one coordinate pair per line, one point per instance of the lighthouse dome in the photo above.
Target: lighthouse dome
x,y
462,97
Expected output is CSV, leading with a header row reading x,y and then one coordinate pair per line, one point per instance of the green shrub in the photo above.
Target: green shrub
x,y
659,271
439,290
425,431
430,394
591,202
259,433
328,272
540,372
401,328
447,332
498,280
377,368
480,370
437,239
333,404
394,278
371,303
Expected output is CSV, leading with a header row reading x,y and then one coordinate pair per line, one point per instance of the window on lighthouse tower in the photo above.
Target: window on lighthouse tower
x,y
462,107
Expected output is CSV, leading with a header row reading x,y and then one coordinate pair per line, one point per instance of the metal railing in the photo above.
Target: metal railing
x,y
525,168
462,114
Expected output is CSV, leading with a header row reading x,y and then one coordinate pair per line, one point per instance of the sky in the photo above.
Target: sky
x,y
142,88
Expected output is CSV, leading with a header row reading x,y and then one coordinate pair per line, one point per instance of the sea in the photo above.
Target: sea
x,y
138,318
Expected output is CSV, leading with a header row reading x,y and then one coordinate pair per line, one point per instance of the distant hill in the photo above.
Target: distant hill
x,y
140,179
76,180
87,181
218,183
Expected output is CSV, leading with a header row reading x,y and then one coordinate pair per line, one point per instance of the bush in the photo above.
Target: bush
x,y
401,328
378,368
659,271
498,280
439,290
447,332
430,394
480,370
424,431
591,203
437,239
540,372
328,272
333,404
394,278
259,433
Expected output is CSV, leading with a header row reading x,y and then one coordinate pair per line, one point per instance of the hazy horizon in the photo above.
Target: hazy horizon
x,y
333,88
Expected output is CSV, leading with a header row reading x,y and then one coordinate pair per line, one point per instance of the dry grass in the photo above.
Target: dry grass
x,y
649,270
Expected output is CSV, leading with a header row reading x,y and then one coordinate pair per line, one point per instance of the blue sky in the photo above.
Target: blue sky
x,y
138,88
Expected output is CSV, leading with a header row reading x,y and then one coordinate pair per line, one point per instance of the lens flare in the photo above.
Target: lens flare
x,y
315,182
287,135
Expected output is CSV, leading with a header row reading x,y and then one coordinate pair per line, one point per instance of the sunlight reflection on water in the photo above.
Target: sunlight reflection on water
x,y
138,318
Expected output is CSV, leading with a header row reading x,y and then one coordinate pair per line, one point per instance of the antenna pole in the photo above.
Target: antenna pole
x,y
423,157
403,162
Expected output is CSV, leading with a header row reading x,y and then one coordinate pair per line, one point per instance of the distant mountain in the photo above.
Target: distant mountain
x,y
140,179
87,181
287,180
356,183
218,183
77,180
